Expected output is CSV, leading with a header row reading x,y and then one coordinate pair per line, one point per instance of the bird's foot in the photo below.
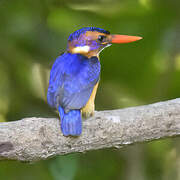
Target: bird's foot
x,y
87,114
88,110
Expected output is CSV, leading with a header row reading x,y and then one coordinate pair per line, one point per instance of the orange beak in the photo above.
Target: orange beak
x,y
118,39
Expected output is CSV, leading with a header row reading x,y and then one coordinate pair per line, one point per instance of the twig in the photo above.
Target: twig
x,y
33,139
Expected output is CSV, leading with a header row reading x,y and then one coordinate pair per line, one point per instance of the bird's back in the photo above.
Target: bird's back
x,y
72,79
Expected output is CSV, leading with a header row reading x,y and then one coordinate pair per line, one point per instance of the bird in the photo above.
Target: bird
x,y
75,76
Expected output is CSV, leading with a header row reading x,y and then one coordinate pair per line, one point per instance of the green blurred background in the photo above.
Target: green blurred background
x,y
34,33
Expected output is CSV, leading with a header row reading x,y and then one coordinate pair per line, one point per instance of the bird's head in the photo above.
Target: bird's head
x,y
89,41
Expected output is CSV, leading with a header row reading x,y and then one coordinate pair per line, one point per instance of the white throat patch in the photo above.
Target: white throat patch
x,y
81,49
104,48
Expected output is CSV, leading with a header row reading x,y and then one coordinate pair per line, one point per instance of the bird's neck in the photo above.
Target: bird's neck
x,y
83,50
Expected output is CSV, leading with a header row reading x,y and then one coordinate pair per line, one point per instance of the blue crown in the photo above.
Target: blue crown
x,y
77,33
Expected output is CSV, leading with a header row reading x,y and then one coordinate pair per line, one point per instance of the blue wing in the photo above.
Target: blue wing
x,y
72,79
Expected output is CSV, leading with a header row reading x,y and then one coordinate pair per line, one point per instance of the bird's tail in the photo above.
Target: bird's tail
x,y
71,123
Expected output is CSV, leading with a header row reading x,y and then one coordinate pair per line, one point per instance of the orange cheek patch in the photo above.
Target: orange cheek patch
x,y
93,35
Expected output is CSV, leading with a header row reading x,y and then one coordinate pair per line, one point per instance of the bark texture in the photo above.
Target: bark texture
x,y
33,139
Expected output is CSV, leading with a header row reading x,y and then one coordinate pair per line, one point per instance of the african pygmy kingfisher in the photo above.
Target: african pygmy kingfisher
x,y
75,74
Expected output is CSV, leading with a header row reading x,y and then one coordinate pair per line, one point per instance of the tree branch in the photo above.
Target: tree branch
x,y
33,139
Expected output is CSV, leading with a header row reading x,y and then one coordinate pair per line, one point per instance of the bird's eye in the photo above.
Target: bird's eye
x,y
101,38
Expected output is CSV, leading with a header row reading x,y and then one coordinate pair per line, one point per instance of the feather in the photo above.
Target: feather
x,y
72,79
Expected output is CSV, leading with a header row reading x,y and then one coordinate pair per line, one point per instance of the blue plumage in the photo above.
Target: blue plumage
x,y
71,123
72,79
75,74
77,33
